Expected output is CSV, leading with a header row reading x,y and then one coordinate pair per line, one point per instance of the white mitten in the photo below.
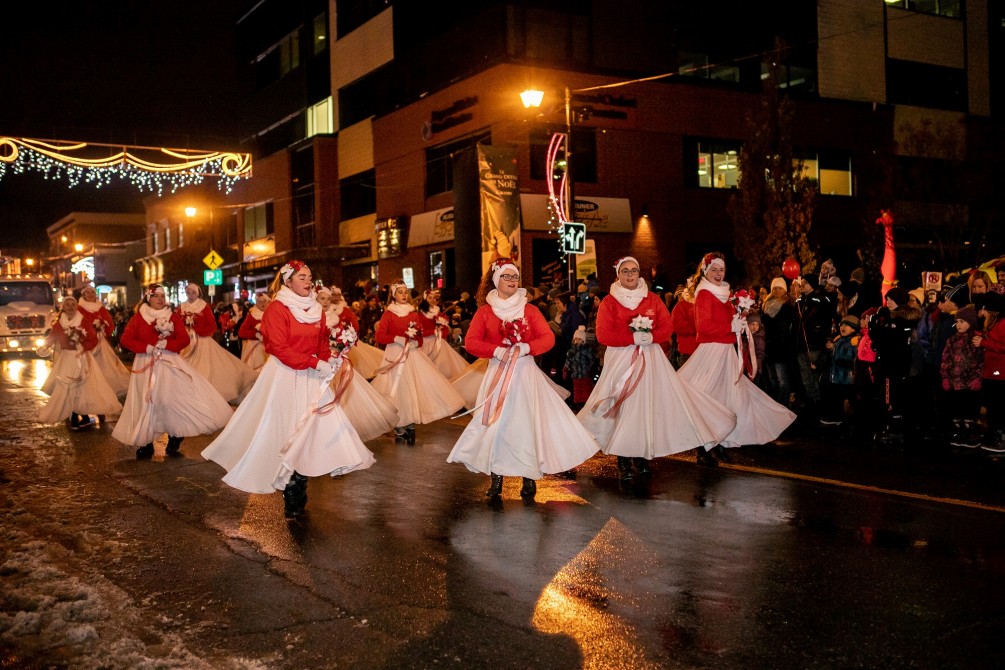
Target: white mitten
x,y
500,352
162,344
524,348
736,325
400,339
336,363
322,366
151,349
642,338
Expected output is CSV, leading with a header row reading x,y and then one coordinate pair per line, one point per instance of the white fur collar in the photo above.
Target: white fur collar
x,y
89,307
401,310
150,314
508,309
194,307
721,291
70,323
630,298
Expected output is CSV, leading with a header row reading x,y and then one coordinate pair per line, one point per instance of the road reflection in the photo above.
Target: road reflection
x,y
26,372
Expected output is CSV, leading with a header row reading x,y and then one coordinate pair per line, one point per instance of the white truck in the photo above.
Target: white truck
x,y
27,310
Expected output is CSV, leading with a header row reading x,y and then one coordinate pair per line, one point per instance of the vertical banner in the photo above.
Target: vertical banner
x,y
500,204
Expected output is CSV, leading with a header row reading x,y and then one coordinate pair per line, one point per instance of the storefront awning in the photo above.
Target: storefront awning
x,y
433,227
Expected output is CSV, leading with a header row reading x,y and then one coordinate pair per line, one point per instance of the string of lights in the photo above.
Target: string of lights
x,y
147,168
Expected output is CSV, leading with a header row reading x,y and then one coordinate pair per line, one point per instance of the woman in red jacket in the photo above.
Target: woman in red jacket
x,y
166,394
521,427
682,324
75,386
116,374
436,336
225,372
715,368
992,342
639,409
407,378
290,427
252,352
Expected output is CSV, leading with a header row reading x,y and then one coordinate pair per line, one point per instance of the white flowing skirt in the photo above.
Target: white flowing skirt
x,y
536,433
416,388
715,369
662,416
167,395
253,354
369,412
366,359
225,372
469,381
77,385
447,361
115,372
277,430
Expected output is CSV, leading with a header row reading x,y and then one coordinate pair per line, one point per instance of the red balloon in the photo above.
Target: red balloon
x,y
791,269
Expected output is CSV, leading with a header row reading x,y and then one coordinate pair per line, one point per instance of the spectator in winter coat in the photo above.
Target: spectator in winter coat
x,y
961,370
841,377
817,310
992,341
779,320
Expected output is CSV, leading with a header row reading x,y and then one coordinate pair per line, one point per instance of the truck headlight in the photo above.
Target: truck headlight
x,y
14,344
39,342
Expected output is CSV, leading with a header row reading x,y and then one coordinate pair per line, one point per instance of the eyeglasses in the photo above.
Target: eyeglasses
x,y
510,277
628,272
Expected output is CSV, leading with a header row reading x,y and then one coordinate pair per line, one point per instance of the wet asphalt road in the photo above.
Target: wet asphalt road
x,y
845,557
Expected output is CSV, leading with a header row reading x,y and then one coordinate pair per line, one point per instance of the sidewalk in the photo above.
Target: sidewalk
x,y
927,468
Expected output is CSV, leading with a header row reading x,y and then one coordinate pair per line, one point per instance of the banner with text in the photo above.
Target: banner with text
x,y
500,204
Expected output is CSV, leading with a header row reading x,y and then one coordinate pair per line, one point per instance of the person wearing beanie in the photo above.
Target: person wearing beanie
x,y
916,297
992,342
717,369
896,298
840,388
817,311
640,409
521,428
778,282
961,370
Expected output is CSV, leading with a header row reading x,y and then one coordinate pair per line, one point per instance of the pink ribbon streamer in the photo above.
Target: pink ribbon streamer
x,y
750,350
636,369
504,372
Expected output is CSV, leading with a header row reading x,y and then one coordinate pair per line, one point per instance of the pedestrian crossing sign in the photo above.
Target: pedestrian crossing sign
x,y
213,260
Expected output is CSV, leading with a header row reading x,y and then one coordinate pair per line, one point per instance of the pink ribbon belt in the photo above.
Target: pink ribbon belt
x,y
636,369
502,378
339,384
156,358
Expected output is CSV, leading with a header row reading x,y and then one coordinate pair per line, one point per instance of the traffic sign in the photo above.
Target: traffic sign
x,y
212,277
574,238
213,260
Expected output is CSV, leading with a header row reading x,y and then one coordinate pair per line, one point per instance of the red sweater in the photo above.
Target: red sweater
x,y
347,316
297,345
391,325
101,315
712,319
993,344
429,326
88,342
682,318
247,330
613,319
138,334
486,332
204,323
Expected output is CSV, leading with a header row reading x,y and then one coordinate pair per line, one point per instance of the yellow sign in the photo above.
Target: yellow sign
x,y
213,260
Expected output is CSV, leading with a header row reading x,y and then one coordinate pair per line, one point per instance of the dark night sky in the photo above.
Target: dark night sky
x,y
117,72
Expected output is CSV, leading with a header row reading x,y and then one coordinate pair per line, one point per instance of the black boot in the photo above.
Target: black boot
x,y
295,496
410,436
174,446
625,468
400,435
641,466
706,458
529,488
146,451
722,454
495,488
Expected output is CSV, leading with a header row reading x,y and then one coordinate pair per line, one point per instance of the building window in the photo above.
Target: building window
x,y
440,162
278,61
352,15
949,8
358,194
584,153
830,171
321,118
258,222
167,237
441,268
181,234
320,32
924,85
716,164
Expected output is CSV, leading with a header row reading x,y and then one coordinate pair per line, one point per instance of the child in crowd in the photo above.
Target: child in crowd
x,y
757,330
581,367
961,369
840,386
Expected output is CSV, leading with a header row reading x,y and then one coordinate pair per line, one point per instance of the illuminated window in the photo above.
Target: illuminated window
x,y
258,222
718,164
831,171
941,7
320,118
320,33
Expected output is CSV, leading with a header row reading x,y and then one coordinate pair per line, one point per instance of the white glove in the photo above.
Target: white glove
x,y
336,363
151,349
500,352
413,344
524,348
323,366
642,338
736,325
400,339
161,344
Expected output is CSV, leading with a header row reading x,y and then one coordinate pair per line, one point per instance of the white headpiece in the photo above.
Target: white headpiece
x,y
617,266
290,269
499,268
